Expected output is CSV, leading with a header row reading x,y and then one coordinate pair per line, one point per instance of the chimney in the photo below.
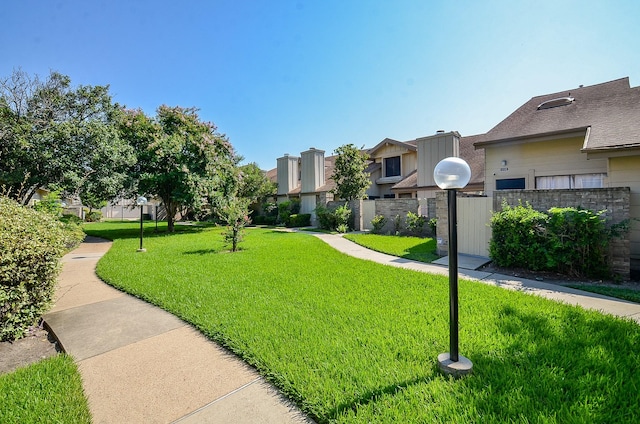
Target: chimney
x,y
432,150
287,173
312,165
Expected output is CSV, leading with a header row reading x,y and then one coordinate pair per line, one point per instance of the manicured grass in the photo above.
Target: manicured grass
x,y
49,391
415,248
617,292
354,341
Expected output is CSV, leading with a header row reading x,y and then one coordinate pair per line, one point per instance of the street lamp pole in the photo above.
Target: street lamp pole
x,y
141,201
451,174
453,275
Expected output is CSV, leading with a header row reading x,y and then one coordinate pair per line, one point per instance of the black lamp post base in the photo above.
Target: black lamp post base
x,y
457,369
141,250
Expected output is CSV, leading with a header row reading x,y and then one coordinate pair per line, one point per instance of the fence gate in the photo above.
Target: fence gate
x,y
474,232
368,213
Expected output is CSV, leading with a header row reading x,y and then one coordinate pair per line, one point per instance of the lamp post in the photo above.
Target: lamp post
x,y
452,174
141,201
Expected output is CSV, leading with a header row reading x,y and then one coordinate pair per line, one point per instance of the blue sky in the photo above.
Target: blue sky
x,y
282,76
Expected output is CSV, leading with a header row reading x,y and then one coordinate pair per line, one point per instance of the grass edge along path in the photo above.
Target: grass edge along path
x,y
47,391
414,248
617,292
355,341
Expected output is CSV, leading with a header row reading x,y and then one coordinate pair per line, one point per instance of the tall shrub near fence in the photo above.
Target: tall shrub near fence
x,y
571,241
31,245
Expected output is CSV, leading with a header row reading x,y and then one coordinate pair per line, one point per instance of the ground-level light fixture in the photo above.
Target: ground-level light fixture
x,y
452,174
141,201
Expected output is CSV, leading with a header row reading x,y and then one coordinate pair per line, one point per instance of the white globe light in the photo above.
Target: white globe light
x,y
141,201
452,173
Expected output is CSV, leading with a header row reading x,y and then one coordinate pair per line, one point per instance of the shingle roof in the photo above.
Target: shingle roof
x,y
608,114
409,182
406,145
475,158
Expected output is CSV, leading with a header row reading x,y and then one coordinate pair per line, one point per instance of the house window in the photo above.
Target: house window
x,y
553,183
570,181
389,196
510,184
392,166
589,181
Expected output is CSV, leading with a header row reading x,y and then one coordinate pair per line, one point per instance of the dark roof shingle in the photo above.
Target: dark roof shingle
x,y
611,112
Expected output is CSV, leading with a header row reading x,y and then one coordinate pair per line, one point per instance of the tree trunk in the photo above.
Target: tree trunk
x,y
170,208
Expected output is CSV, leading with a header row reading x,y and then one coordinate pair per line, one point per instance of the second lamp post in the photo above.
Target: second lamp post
x,y
141,201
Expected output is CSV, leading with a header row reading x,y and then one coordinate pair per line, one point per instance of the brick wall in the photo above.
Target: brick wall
x,y
615,201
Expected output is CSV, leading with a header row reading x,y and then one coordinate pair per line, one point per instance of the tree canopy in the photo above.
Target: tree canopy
x,y
180,159
350,176
253,183
55,136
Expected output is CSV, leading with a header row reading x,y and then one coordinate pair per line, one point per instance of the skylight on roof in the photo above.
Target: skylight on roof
x,y
562,101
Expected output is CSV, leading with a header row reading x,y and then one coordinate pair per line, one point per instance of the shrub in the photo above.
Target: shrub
x,y
69,218
31,244
94,216
326,219
378,222
519,237
342,228
433,225
342,214
571,241
577,242
270,209
415,223
397,225
299,220
331,219
50,204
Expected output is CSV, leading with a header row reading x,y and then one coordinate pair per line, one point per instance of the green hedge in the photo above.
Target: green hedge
x,y
31,244
571,241
299,220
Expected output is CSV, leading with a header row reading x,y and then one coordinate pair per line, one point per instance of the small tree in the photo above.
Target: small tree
x,y
235,214
350,176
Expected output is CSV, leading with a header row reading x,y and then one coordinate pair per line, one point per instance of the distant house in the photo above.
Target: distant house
x,y
397,170
586,137
405,169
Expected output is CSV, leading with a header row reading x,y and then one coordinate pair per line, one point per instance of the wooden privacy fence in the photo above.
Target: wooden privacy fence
x,y
474,217
474,232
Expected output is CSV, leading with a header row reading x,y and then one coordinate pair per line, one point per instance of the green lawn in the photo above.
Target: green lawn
x,y
49,391
353,341
618,292
415,248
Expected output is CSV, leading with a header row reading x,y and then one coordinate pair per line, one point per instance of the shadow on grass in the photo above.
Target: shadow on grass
x,y
423,252
114,230
203,252
372,396
568,367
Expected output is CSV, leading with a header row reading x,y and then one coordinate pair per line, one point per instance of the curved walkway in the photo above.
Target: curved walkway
x,y
141,364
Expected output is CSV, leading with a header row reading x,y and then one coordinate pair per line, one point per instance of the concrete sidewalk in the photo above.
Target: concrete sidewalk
x,y
140,364
604,304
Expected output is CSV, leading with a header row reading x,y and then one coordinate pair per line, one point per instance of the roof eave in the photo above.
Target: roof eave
x,y
566,133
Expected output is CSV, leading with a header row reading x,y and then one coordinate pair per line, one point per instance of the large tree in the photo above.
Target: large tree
x,y
181,159
350,176
253,183
58,137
